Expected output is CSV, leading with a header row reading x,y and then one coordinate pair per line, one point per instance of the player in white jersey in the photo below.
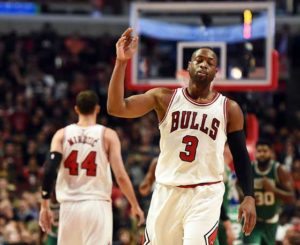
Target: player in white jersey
x,y
83,153
194,124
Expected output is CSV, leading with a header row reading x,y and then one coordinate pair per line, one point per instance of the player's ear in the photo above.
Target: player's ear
x,y
98,108
76,109
189,65
216,71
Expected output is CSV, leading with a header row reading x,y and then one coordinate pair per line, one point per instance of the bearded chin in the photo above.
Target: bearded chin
x,y
202,80
264,163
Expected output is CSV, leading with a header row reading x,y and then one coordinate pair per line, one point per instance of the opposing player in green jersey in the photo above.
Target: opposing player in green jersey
x,y
272,185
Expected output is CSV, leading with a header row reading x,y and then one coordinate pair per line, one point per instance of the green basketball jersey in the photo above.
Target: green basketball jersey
x,y
267,205
227,183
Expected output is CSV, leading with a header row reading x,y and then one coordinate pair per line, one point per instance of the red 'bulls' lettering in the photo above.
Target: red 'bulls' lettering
x,y
193,120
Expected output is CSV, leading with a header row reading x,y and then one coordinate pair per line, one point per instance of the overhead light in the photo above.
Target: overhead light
x,y
236,73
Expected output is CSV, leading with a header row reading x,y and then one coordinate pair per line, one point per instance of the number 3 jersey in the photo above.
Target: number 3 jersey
x,y
192,141
84,172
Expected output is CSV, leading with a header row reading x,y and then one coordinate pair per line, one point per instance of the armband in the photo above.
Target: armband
x,y
50,173
241,161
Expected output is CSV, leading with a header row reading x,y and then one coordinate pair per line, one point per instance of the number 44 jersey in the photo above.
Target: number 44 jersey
x,y
192,141
84,172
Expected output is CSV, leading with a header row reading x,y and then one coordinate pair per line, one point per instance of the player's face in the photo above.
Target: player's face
x,y
203,66
263,153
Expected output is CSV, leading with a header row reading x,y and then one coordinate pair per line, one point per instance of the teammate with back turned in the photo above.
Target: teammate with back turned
x,y
194,124
83,154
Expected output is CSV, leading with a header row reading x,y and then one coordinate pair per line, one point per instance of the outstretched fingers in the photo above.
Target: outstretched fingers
x,y
127,32
249,221
141,219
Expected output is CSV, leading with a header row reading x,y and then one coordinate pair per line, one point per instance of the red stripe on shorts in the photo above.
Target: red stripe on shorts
x,y
200,184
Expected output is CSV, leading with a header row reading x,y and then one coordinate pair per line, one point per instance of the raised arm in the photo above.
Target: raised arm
x,y
117,105
237,144
113,148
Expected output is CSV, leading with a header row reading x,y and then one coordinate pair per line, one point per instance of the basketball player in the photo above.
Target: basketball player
x,y
194,124
225,230
272,184
84,152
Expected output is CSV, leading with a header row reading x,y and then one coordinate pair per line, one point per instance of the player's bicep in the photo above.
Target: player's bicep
x,y
235,117
138,105
57,140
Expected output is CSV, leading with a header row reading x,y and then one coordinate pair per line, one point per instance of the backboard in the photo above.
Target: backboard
x,y
241,34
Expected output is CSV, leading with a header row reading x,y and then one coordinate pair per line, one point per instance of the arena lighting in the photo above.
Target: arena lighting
x,y
236,73
247,32
19,8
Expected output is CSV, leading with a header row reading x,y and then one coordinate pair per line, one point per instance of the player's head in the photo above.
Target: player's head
x,y
87,103
203,66
263,151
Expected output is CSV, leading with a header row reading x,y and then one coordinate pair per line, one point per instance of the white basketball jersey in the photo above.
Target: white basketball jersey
x,y
84,172
192,141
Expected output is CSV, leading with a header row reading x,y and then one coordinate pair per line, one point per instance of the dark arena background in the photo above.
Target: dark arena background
x,y
51,50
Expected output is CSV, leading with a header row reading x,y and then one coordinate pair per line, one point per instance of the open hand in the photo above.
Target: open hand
x,y
247,212
126,45
46,219
138,213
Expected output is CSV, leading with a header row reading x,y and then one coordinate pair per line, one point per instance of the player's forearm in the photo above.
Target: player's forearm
x,y
50,167
126,187
45,203
150,177
241,160
115,98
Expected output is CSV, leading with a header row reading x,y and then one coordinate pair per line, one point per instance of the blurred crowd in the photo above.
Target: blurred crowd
x,y
40,75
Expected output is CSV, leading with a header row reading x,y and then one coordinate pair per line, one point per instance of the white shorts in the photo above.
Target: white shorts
x,y
184,216
85,223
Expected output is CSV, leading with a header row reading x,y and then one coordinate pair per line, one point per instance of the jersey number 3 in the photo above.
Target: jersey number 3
x,y
89,163
189,153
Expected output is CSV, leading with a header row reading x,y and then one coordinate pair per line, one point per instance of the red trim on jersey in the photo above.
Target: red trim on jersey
x,y
200,184
211,236
225,114
170,103
188,97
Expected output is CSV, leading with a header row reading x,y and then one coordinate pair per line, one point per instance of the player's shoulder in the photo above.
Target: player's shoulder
x,y
60,131
110,134
232,107
231,103
160,91
59,135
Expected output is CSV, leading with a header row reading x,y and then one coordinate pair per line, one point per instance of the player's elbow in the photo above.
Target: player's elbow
x,y
115,109
112,110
